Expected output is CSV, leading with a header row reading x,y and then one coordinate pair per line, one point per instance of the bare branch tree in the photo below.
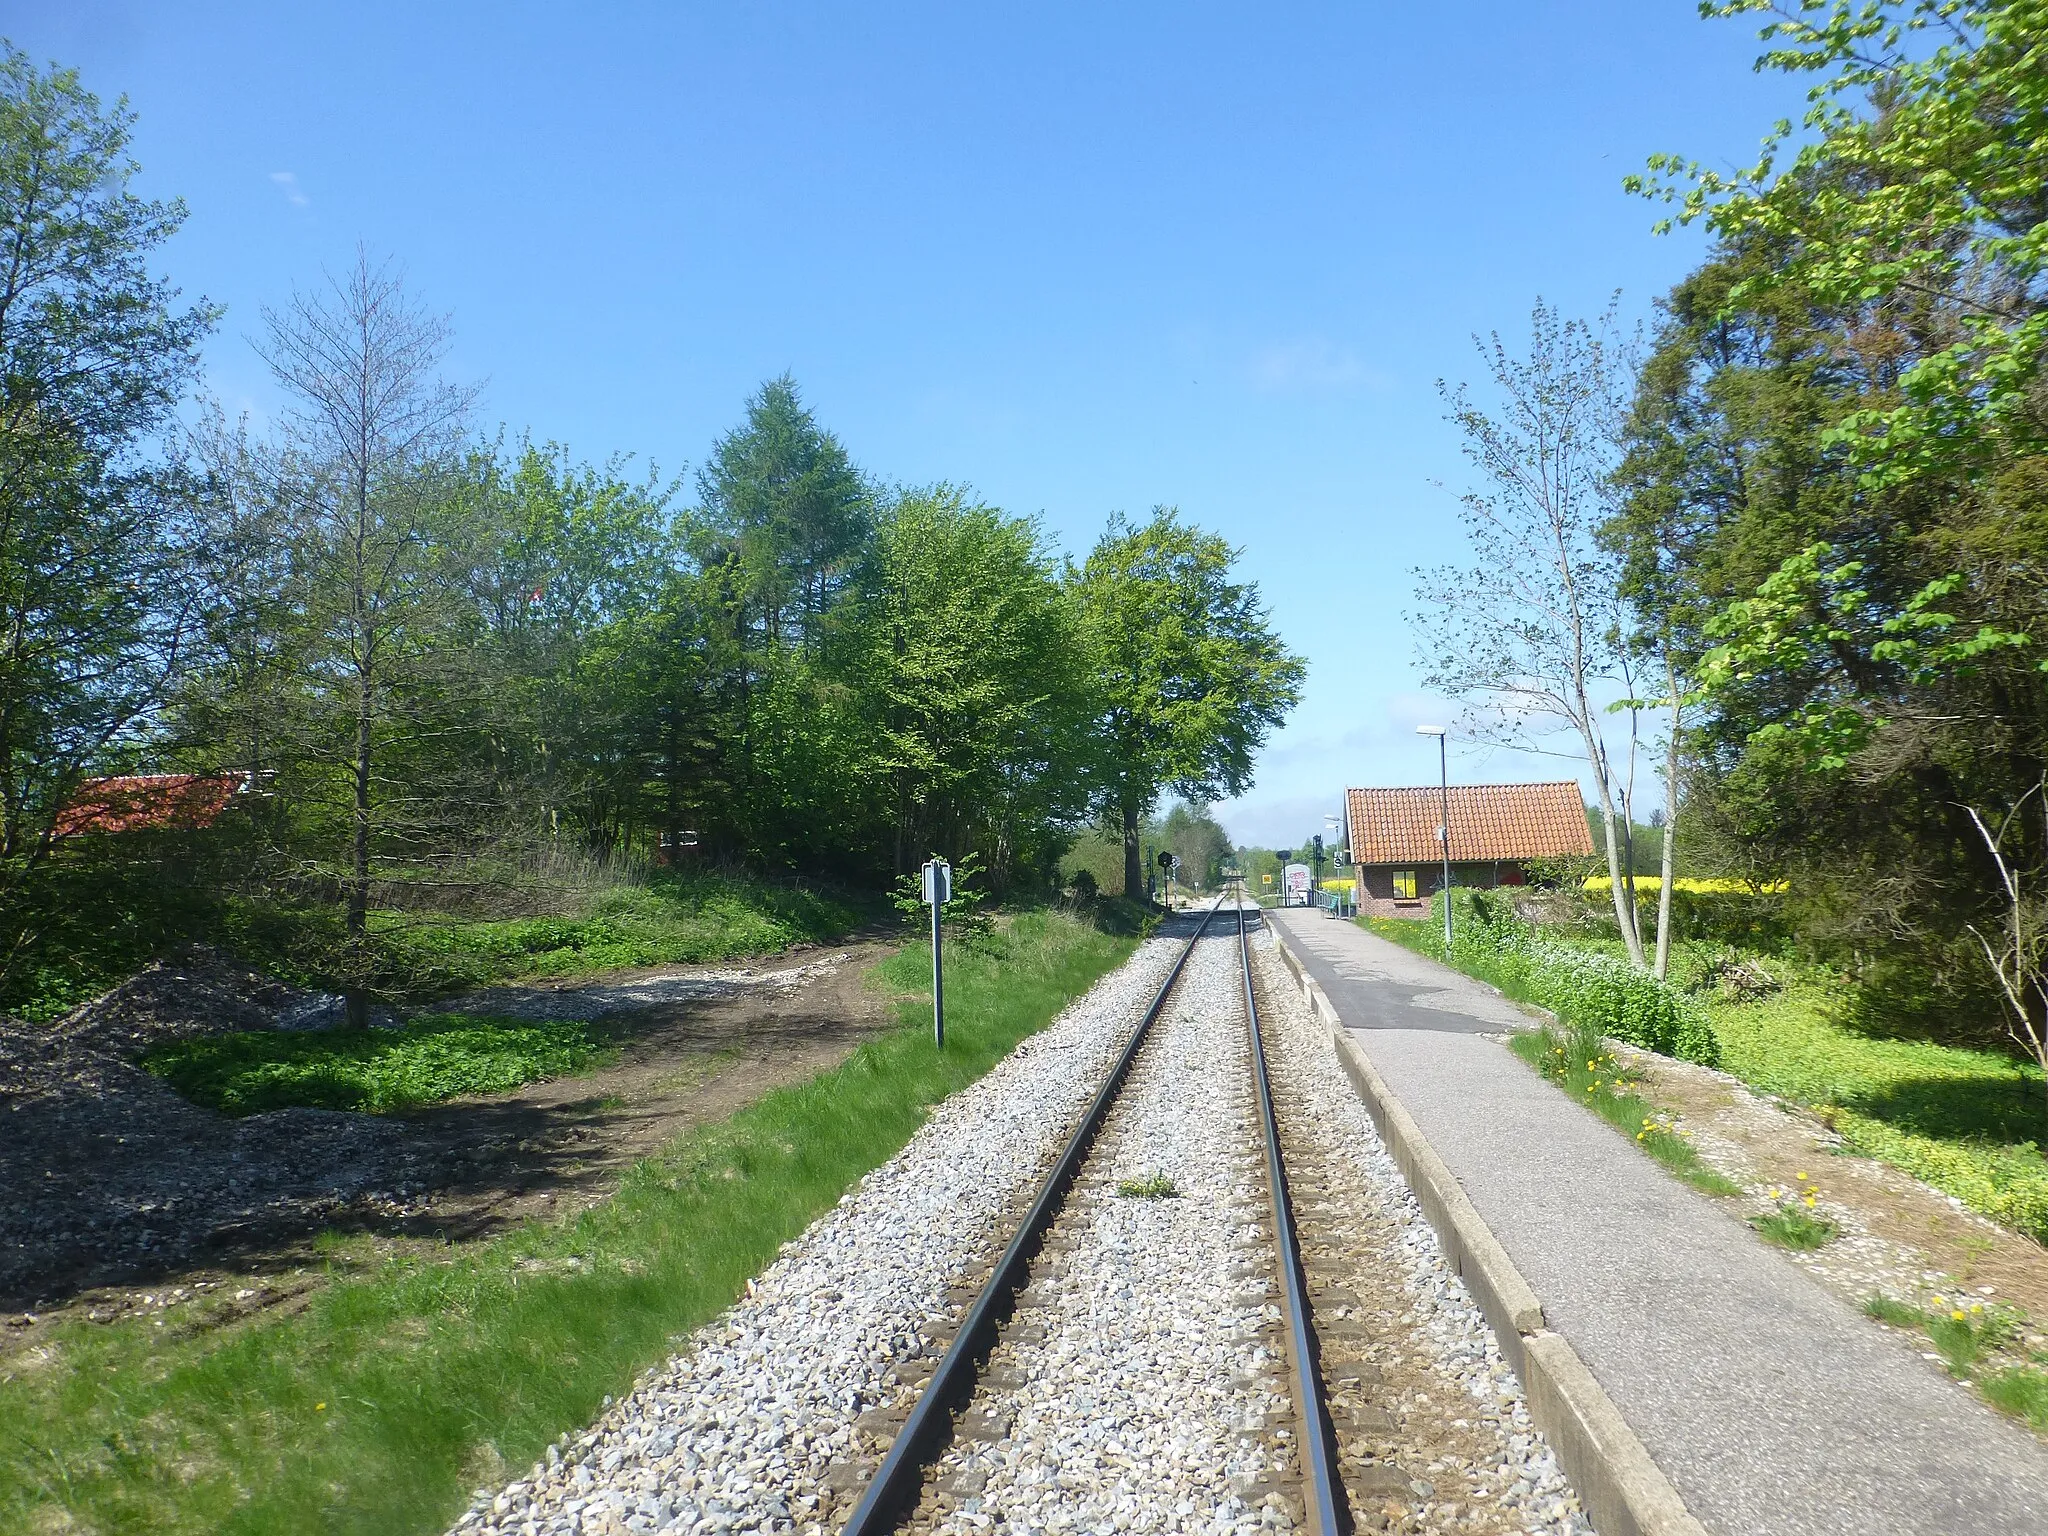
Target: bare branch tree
x,y
1531,633
372,424
2019,954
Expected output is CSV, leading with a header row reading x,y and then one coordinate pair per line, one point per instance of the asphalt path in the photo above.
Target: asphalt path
x,y
1771,1405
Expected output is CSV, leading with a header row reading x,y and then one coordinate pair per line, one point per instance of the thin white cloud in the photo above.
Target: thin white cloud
x,y
289,182
1310,364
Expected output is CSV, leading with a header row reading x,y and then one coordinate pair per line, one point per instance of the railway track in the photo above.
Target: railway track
x,y
1221,1313
1301,1455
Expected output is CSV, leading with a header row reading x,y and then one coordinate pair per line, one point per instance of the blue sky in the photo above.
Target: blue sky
x,y
1083,258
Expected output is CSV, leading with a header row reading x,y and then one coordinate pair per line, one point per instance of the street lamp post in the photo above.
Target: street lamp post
x,y
1443,833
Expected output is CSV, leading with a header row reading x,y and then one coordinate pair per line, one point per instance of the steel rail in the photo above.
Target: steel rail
x,y
1328,1510
898,1481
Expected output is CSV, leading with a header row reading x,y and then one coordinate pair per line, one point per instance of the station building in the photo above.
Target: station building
x,y
1495,831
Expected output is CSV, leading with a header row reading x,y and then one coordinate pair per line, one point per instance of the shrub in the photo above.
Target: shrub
x,y
1586,990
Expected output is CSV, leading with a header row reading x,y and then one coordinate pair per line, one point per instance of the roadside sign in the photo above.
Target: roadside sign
x,y
1295,885
938,890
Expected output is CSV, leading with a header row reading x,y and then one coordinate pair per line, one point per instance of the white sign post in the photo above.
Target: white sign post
x,y
938,890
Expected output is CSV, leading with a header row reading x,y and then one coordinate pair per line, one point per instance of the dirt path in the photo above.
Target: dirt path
x,y
699,1043
122,1197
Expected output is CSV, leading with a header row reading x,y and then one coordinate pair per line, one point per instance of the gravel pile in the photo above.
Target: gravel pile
x,y
765,1418
109,1174
574,1000
1133,1390
1436,1433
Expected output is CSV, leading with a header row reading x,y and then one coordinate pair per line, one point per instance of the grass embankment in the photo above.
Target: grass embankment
x,y
435,1057
1968,1122
405,1382
102,927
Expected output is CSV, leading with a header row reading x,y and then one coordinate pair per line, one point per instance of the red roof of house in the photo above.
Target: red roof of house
x,y
148,802
1488,821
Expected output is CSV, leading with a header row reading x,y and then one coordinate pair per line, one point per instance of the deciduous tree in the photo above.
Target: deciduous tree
x,y
94,352
1190,675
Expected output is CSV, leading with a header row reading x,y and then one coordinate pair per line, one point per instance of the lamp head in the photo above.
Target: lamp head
x,y
1430,730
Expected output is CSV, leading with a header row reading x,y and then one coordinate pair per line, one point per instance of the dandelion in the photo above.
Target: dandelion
x,y
1957,1316
319,1407
1802,1178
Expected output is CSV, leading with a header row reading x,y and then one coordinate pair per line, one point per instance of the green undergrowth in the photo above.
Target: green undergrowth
x,y
1582,986
434,1057
1593,1075
77,931
1968,1122
407,1380
1977,1342
670,920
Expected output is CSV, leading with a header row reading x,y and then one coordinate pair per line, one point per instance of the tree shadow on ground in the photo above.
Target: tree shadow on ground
x,y
2001,1107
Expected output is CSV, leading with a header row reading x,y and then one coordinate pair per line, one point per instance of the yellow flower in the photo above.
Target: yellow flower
x,y
1957,1316
1802,1178
319,1407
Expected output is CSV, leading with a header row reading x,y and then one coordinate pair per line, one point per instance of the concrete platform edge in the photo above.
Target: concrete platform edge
x,y
1617,1479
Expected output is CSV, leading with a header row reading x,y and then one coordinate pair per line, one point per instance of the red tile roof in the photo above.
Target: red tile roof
x,y
1488,821
152,802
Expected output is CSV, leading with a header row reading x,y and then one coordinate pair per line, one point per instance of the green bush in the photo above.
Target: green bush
x,y
1583,988
379,1070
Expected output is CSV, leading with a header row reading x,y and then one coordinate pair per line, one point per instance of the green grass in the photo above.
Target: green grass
x,y
1969,1336
398,1388
81,929
436,1057
1155,1186
1968,1122
1594,1077
1790,1227
2020,1391
671,920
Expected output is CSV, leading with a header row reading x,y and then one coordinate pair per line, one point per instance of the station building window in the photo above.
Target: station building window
x,y
1404,884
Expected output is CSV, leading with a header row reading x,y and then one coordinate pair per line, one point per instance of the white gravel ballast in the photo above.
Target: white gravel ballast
x,y
739,1431
1135,1397
1137,1387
